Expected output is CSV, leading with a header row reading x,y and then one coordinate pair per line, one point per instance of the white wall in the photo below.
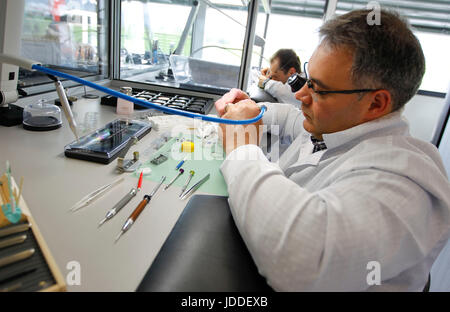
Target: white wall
x,y
423,113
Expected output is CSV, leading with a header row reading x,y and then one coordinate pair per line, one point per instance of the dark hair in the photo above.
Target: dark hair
x,y
386,56
287,59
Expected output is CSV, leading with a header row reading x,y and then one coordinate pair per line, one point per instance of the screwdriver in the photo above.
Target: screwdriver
x,y
181,171
135,214
191,174
117,207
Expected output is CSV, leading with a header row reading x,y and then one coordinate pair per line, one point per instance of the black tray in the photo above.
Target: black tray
x,y
105,144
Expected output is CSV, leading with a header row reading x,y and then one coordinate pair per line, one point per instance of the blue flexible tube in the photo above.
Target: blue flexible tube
x,y
146,103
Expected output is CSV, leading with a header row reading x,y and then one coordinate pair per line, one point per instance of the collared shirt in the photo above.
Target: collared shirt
x,y
375,203
319,145
282,92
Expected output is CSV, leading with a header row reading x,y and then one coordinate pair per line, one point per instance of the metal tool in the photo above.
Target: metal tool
x,y
181,163
14,229
10,276
181,171
117,207
11,288
16,257
135,214
12,241
191,174
88,199
194,187
128,165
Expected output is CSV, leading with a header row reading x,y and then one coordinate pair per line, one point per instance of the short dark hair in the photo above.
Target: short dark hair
x,y
386,56
287,58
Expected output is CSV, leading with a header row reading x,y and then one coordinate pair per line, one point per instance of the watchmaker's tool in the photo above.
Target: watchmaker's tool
x,y
180,172
12,241
128,165
181,163
88,199
194,187
14,229
135,214
117,207
191,174
16,257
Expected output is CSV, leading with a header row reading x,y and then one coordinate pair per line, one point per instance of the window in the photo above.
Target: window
x,y
183,43
292,24
65,35
431,24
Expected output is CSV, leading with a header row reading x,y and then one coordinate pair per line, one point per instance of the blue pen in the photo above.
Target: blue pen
x,y
181,163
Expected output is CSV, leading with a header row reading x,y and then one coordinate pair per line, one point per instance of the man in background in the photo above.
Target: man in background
x,y
273,80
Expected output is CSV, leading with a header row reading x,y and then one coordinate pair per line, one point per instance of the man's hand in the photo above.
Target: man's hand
x,y
231,97
265,72
261,81
234,136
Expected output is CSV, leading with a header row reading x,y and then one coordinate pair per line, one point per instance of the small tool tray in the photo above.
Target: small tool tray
x,y
194,104
105,144
46,276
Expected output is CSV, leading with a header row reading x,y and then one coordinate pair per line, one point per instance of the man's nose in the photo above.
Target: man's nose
x,y
304,95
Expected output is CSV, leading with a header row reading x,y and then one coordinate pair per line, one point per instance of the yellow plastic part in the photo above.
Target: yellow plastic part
x,y
187,147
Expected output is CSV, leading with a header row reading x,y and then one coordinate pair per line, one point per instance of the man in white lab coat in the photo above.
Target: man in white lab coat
x,y
355,203
273,80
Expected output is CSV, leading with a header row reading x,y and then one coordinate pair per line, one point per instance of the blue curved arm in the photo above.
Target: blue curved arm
x,y
146,103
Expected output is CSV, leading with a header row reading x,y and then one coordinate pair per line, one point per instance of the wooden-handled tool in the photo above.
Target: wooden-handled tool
x,y
135,214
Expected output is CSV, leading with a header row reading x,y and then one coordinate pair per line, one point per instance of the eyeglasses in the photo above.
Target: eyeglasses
x,y
310,85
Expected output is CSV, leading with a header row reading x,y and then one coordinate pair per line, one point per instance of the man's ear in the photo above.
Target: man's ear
x,y
380,104
291,71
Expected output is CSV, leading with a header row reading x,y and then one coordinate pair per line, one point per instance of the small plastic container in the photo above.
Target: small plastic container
x,y
41,116
125,107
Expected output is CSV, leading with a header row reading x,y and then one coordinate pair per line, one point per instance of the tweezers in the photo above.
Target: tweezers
x,y
89,198
194,187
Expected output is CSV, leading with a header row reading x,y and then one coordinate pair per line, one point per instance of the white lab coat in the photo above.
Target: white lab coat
x,y
316,222
282,92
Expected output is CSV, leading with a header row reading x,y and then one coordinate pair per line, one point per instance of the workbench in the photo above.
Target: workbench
x,y
53,183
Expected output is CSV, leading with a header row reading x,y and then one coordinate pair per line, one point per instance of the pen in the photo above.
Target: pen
x,y
117,207
135,214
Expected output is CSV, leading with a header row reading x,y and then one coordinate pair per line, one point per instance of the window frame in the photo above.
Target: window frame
x,y
254,7
49,86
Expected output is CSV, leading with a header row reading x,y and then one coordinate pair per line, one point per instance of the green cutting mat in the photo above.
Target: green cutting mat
x,y
206,158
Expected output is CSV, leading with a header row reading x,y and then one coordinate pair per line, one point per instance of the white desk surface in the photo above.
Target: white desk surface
x,y
53,183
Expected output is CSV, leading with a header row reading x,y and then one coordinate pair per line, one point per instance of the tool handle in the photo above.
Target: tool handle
x,y
14,229
135,214
179,165
124,200
12,241
16,257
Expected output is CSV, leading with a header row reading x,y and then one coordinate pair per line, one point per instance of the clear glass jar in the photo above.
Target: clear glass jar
x,y
41,116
